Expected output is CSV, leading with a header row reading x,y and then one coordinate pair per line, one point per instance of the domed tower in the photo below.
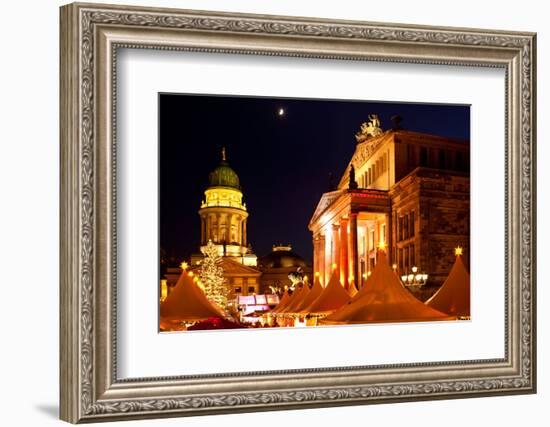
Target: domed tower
x,y
277,265
223,214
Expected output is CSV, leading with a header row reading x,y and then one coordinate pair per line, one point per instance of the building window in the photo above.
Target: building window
x,y
410,155
459,161
406,258
406,227
371,240
400,237
442,159
383,233
251,289
411,224
412,256
400,259
238,289
423,156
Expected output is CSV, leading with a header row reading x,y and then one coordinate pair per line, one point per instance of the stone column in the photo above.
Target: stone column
x,y
240,222
388,237
229,220
322,260
244,232
335,250
354,255
344,265
209,231
315,256
219,218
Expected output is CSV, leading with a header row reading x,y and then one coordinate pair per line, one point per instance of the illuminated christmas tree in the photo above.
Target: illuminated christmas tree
x,y
211,275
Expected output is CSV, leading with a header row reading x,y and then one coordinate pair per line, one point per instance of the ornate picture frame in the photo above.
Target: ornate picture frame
x,y
90,37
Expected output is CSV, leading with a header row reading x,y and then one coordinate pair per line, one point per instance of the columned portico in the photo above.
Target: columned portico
x,y
344,245
335,265
348,226
354,252
321,262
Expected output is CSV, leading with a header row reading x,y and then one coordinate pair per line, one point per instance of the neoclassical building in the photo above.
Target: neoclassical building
x,y
276,267
407,191
223,217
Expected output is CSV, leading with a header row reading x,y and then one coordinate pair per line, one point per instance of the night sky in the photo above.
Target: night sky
x,y
283,162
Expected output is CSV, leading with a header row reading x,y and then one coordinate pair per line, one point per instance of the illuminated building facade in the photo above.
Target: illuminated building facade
x,y
223,217
405,190
277,265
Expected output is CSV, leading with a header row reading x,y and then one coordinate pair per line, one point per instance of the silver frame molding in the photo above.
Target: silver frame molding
x,y
90,37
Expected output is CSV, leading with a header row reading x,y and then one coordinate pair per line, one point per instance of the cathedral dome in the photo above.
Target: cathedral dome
x,y
282,257
224,176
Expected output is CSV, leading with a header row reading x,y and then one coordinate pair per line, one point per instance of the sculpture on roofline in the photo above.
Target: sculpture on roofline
x,y
369,129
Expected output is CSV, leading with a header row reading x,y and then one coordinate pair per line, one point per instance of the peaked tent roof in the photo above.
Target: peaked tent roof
x,y
332,298
282,302
352,289
301,295
453,297
282,308
187,302
385,300
314,293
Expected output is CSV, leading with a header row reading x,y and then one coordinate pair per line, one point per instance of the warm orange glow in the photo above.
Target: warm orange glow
x,y
382,245
458,251
190,274
334,265
394,266
369,273
184,265
317,274
163,289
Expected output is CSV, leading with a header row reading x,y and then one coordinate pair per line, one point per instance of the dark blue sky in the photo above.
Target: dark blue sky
x,y
282,162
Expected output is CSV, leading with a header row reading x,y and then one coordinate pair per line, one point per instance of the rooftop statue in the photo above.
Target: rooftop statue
x,y
369,129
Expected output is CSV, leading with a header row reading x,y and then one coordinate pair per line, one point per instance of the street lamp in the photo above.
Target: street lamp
x,y
414,279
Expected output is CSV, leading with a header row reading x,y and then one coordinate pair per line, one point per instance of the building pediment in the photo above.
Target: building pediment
x,y
363,151
327,199
231,267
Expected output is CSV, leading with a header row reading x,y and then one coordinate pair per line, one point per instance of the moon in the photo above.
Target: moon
x,y
281,112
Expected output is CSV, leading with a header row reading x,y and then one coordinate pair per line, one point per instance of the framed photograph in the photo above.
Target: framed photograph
x,y
266,212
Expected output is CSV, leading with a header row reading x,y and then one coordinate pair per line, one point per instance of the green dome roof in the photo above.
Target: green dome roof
x,y
224,176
